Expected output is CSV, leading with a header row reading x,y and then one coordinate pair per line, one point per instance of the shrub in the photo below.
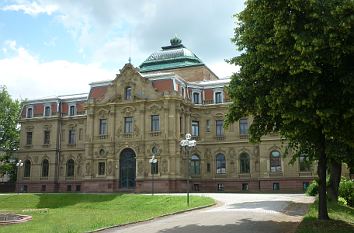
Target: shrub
x,y
342,201
312,190
346,190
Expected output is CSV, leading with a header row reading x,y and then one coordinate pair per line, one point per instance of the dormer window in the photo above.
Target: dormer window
x,y
72,110
29,113
128,93
196,97
47,111
218,97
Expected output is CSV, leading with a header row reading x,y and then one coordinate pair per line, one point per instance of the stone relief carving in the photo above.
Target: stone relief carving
x,y
88,169
128,111
140,168
207,154
110,167
164,166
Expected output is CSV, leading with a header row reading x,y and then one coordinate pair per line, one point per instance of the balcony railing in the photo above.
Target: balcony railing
x,y
155,134
127,135
103,136
220,137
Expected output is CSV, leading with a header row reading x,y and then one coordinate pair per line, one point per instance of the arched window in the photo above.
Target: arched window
x,y
128,93
275,161
220,164
244,163
70,167
27,171
195,165
45,168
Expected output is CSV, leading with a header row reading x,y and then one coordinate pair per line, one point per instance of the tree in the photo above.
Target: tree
x,y
9,132
296,76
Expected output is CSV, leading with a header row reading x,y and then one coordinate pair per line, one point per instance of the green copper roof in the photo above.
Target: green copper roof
x,y
170,57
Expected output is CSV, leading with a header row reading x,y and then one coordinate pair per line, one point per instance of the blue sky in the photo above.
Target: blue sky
x,y
54,47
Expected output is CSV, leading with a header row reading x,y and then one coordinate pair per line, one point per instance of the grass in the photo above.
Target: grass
x,y
87,212
342,220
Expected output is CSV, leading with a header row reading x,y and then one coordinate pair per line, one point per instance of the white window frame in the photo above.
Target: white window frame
x,y
217,90
50,110
29,107
75,110
199,92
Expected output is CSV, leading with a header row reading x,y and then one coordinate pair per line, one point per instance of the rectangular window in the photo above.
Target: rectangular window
x,y
46,140
276,186
72,110
128,124
29,112
29,138
218,97
47,111
128,93
244,186
219,128
220,187
72,136
155,168
195,128
196,98
208,167
103,127
180,125
68,188
43,188
101,168
155,123
304,163
78,188
207,128
243,127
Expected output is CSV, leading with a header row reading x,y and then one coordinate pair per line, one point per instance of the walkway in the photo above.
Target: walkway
x,y
241,213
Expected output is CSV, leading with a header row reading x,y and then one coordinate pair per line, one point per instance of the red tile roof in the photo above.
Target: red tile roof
x,y
98,92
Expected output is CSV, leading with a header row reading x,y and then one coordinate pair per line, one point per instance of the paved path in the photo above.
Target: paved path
x,y
241,213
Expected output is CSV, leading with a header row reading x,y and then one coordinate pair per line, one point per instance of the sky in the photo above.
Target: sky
x,y
57,47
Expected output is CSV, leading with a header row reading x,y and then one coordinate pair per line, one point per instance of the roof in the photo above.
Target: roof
x,y
170,57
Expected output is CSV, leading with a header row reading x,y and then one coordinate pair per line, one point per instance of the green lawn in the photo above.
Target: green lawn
x,y
85,212
342,220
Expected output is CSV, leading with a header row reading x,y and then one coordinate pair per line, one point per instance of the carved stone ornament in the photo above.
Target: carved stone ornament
x,y
140,168
88,168
110,167
128,111
164,166
155,108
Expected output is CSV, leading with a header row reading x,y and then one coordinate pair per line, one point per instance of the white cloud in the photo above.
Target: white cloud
x,y
223,69
26,77
31,8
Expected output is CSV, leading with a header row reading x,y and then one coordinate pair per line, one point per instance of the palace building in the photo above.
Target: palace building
x,y
103,141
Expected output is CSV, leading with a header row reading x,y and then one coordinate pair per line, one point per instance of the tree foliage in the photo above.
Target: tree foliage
x,y
297,75
9,132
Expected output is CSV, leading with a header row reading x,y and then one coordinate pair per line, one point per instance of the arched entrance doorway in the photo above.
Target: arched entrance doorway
x,y
127,169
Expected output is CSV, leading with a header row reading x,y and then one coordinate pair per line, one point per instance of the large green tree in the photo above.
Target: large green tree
x,y
9,132
297,75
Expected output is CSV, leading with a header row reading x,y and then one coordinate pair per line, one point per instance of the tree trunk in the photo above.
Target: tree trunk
x,y
336,171
322,165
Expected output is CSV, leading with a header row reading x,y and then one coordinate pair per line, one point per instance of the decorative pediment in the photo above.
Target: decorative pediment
x,y
103,113
155,108
128,111
219,116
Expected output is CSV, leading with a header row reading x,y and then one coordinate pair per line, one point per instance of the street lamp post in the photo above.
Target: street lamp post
x,y
152,162
18,165
187,144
